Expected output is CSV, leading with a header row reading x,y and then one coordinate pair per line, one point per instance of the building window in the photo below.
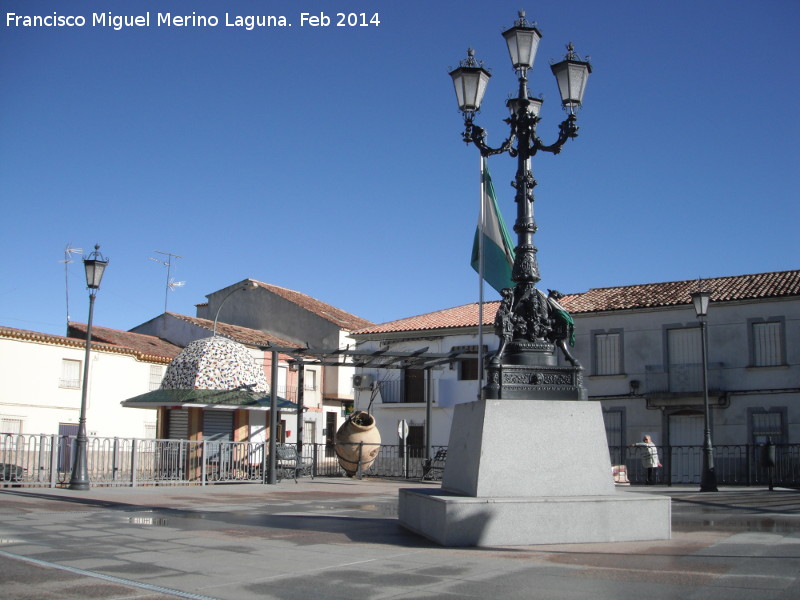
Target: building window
x,y
767,424
413,385
70,374
767,345
10,425
468,369
156,374
310,380
608,353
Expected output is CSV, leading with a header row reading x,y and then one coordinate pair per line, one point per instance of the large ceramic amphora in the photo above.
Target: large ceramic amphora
x,y
358,439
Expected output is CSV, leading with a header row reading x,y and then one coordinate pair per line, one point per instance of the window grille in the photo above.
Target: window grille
x,y
156,375
608,353
10,425
310,380
767,344
70,374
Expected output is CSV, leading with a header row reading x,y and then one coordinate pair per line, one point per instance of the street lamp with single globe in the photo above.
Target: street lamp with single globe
x,y
529,323
248,285
95,265
708,481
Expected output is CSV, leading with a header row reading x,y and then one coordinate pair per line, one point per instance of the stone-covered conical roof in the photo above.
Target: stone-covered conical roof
x,y
215,363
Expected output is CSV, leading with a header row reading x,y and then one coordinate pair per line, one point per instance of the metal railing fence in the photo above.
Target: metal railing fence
x,y
734,464
46,461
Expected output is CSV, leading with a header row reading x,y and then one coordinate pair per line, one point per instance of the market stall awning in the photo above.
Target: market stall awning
x,y
230,399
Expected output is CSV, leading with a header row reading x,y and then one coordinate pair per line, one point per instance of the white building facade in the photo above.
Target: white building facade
x,y
43,382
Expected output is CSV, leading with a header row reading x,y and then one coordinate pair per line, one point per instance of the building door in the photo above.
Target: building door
x,y
685,360
178,424
686,442
613,422
309,432
67,432
330,433
416,441
217,428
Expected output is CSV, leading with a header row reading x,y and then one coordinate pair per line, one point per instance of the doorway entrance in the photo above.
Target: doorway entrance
x,y
685,440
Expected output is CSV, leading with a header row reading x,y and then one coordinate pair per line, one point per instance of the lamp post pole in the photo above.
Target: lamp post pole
x,y
95,266
708,480
528,323
248,285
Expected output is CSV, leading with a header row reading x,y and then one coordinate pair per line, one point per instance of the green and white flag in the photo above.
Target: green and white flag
x,y
498,250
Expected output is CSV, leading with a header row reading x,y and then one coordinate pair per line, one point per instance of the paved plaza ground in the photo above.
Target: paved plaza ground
x,y
340,539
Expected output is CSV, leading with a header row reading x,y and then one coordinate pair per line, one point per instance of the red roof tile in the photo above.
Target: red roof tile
x,y
337,316
243,335
672,293
676,293
138,342
460,316
144,352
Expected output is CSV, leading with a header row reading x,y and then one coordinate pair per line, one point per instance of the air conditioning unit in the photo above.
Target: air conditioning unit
x,y
362,382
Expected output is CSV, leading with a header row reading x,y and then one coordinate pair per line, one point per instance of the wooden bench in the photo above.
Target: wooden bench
x,y
434,465
290,464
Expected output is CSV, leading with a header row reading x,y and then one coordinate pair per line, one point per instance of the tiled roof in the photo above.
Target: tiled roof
x,y
138,342
676,293
337,316
460,316
673,293
97,344
243,335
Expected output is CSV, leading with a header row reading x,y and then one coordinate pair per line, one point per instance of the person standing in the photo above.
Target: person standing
x,y
650,459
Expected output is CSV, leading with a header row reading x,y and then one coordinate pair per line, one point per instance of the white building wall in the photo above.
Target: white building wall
x,y
31,390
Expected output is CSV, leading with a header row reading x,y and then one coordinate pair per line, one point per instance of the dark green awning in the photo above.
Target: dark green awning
x,y
232,398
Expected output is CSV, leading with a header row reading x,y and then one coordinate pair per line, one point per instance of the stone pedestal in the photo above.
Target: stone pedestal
x,y
524,472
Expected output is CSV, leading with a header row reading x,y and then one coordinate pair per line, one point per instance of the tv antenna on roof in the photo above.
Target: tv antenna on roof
x,y
171,283
68,252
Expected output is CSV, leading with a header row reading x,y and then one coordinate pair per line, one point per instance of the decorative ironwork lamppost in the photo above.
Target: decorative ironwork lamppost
x,y
708,479
95,265
529,323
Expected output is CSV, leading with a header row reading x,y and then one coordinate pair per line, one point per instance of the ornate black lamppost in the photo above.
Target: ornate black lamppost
x,y
95,265
708,479
529,323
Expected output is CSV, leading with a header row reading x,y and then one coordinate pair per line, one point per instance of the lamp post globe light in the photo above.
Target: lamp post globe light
x,y
708,478
95,265
529,323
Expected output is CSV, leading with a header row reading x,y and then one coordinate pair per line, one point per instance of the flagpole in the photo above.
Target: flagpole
x,y
481,227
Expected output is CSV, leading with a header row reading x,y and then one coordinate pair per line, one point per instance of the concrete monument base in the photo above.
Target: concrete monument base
x,y
523,472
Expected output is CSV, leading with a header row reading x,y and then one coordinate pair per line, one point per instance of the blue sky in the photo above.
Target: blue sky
x,y
329,160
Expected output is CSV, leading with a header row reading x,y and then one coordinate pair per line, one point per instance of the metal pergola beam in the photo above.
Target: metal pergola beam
x,y
375,359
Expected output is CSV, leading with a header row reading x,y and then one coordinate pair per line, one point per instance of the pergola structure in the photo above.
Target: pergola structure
x,y
374,359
